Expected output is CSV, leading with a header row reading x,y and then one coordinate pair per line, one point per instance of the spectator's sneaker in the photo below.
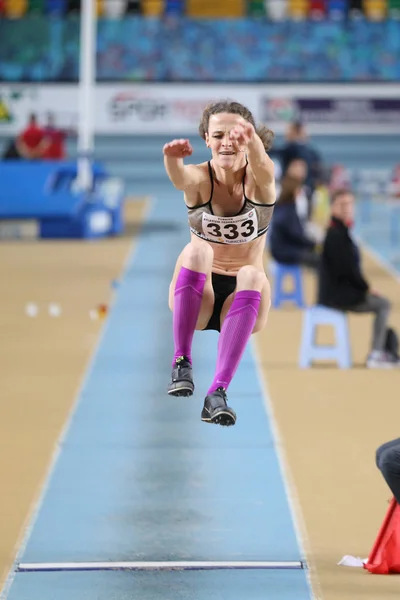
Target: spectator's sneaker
x,y
382,360
181,378
216,409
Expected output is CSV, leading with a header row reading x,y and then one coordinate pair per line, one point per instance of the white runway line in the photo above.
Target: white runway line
x,y
160,565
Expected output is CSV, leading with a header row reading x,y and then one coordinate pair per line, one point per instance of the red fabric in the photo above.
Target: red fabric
x,y
385,554
56,149
32,136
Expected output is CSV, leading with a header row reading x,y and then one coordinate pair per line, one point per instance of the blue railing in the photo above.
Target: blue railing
x,y
138,49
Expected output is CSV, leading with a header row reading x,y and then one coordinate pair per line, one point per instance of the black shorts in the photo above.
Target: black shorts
x,y
223,286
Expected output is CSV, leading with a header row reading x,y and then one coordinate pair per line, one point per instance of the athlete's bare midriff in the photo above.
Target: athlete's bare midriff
x,y
228,259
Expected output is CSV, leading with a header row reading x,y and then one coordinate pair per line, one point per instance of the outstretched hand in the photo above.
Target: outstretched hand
x,y
242,134
178,148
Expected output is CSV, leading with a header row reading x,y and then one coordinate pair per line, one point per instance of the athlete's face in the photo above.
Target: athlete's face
x,y
225,152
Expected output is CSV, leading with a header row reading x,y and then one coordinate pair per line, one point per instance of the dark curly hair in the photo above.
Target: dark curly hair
x,y
234,108
289,189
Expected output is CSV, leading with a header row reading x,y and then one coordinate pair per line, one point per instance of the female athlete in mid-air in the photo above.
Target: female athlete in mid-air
x,y
219,280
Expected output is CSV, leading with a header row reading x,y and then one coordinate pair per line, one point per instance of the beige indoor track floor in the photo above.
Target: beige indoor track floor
x,y
330,421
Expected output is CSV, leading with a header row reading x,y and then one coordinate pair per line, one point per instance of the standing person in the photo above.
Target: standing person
x,y
342,284
298,147
219,281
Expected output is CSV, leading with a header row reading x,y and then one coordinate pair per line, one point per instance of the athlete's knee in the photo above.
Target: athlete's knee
x,y
198,257
250,278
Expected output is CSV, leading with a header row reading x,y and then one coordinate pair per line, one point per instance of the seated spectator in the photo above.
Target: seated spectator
x,y
32,142
298,168
342,284
56,138
288,242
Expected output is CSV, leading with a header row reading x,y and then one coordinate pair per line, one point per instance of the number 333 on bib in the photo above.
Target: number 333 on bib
x,y
230,230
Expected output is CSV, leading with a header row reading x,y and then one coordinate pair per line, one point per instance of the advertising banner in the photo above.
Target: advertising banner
x,y
348,114
158,109
119,109
139,109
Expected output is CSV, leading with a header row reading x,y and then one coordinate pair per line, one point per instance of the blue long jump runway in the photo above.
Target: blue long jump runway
x,y
141,478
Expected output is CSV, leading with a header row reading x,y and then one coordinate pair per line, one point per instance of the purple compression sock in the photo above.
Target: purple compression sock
x,y
187,302
235,333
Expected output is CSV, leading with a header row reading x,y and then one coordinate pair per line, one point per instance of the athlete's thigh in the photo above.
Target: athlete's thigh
x,y
263,310
207,302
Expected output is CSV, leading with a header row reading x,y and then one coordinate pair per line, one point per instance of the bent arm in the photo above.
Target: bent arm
x,y
261,166
260,163
182,176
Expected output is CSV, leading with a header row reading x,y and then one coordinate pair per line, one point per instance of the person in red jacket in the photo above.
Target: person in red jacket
x,y
56,138
32,142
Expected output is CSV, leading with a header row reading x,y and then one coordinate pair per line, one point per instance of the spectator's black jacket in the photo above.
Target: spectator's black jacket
x,y
287,237
341,283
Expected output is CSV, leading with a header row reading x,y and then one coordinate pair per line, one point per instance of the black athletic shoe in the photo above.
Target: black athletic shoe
x,y
181,378
216,409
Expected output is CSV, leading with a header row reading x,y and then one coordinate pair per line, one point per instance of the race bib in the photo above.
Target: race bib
x,y
230,230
